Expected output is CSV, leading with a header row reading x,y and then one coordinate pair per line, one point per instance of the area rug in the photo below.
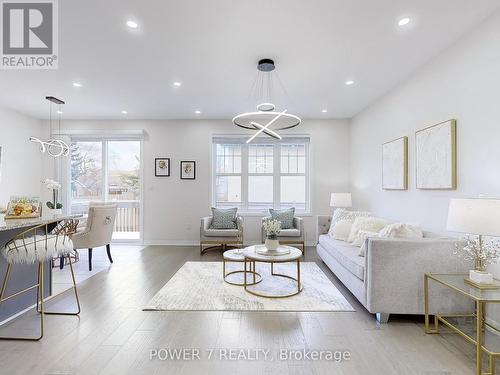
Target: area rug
x,y
198,286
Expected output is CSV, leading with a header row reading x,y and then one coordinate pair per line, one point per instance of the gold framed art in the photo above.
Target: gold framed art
x,y
436,156
395,164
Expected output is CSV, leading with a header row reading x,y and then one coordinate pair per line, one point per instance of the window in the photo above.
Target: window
x,y
261,175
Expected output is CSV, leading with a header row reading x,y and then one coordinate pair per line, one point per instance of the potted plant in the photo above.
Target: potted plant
x,y
272,229
54,206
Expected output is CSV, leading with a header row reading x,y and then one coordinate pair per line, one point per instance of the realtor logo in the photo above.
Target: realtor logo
x,y
29,34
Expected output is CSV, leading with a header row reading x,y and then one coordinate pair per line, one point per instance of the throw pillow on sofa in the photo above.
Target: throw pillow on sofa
x,y
401,230
285,216
224,218
362,236
341,230
371,224
343,214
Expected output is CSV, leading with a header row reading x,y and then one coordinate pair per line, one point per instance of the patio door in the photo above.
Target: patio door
x,y
109,170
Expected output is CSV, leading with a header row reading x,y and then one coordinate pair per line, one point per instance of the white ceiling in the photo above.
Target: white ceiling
x,y
212,47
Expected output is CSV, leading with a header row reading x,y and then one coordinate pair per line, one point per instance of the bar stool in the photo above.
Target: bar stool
x,y
38,245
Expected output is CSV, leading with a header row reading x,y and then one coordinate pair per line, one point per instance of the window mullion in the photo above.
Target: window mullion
x,y
244,177
276,175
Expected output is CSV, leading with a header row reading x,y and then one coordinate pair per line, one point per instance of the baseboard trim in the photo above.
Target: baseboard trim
x,y
197,243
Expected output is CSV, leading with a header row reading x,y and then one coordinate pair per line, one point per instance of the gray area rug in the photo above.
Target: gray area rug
x,y
198,286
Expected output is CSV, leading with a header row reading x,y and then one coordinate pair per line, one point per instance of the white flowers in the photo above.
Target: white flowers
x,y
480,251
51,184
272,228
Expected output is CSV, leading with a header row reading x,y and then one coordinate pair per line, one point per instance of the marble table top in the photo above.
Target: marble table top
x,y
251,253
26,223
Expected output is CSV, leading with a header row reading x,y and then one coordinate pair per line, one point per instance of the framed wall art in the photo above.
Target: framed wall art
x,y
188,170
436,156
395,164
162,167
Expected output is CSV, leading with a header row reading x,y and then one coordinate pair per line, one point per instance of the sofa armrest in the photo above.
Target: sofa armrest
x,y
394,274
323,225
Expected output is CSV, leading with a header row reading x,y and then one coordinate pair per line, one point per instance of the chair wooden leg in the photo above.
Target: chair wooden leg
x,y
90,259
108,250
61,262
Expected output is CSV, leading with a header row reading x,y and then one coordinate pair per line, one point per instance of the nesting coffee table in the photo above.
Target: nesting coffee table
x,y
236,256
251,256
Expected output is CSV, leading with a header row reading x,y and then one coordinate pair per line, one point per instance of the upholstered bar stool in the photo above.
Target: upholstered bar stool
x,y
37,245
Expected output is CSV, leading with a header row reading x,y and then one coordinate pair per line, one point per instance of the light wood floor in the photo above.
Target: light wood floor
x,y
114,336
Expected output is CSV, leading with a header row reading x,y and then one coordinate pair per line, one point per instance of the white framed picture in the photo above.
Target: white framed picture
x,y
395,164
436,156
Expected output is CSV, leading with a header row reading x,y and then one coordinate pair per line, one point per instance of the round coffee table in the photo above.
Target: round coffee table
x,y
251,256
236,255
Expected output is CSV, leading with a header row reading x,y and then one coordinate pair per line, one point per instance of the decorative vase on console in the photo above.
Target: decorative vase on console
x,y
478,218
54,207
272,229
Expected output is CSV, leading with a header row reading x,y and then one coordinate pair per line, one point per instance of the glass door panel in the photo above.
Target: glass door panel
x,y
86,175
123,186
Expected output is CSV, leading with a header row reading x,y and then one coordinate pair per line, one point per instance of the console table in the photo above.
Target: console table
x,y
472,327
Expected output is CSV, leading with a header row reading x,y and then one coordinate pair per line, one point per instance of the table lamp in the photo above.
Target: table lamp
x,y
477,217
340,200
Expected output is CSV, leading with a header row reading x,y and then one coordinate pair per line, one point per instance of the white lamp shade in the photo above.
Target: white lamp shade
x,y
474,216
340,200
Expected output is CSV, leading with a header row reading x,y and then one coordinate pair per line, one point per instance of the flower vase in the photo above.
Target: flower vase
x,y
272,244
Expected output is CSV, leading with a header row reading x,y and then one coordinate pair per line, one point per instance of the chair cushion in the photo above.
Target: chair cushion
x,y
221,232
20,251
284,216
289,233
346,254
224,218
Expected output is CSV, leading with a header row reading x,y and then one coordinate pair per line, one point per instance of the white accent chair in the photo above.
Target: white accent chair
x,y
98,230
219,238
292,236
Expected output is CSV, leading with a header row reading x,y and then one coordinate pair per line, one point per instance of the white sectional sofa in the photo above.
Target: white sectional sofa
x,y
389,279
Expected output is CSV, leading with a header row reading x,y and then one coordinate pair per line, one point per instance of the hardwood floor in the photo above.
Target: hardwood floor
x,y
114,336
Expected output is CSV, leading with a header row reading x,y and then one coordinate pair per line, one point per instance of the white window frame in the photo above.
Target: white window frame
x,y
238,139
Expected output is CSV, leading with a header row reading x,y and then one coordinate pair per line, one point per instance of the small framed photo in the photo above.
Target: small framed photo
x,y
188,170
162,167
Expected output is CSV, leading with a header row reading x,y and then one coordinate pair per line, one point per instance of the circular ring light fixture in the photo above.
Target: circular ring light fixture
x,y
285,120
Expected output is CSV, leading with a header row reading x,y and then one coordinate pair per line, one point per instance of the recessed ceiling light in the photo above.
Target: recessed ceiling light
x,y
177,84
132,24
59,112
349,83
76,84
404,21
124,112
197,112
324,110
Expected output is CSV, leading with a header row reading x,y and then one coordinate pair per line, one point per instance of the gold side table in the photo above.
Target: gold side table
x,y
252,256
473,327
236,255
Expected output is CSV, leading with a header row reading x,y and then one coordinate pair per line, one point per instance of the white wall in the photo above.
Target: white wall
x,y
173,208
462,83
21,159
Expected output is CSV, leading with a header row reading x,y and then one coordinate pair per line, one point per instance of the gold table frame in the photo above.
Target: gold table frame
x,y
225,274
478,315
297,280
